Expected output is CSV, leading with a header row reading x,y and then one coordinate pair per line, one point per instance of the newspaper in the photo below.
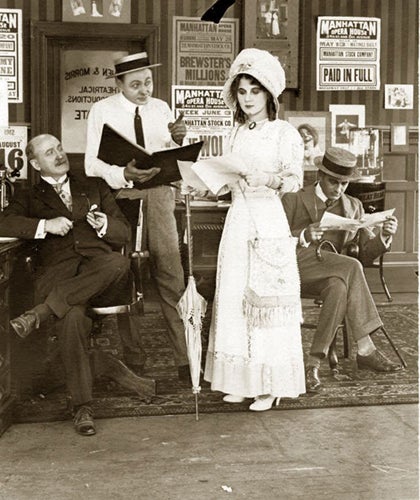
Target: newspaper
x,y
331,221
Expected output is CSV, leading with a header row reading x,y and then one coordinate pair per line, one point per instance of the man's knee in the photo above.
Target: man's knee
x,y
335,287
118,263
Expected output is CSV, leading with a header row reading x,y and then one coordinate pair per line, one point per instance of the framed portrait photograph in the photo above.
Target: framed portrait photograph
x,y
273,25
344,117
399,96
97,11
399,138
315,129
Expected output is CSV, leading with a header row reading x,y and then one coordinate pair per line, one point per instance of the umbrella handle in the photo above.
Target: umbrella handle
x,y
189,234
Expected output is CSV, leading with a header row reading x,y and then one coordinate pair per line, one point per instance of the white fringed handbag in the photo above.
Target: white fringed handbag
x,y
272,294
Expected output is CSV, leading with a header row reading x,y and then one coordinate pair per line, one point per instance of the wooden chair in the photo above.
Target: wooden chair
x,y
372,196
132,304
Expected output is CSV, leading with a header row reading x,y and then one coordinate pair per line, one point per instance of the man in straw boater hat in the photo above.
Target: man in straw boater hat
x,y
147,121
338,279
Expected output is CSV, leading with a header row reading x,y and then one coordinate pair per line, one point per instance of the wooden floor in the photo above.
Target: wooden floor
x,y
359,453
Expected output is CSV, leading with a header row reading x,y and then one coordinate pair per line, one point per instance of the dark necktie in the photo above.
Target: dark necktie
x,y
65,197
328,203
138,127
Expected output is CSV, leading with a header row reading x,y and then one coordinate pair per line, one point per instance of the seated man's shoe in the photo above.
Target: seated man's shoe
x,y
26,323
184,374
377,362
83,421
313,383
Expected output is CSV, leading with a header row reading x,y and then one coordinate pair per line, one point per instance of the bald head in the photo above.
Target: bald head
x,y
31,146
45,153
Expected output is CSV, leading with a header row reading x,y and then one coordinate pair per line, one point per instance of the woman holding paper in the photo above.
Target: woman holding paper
x,y
255,346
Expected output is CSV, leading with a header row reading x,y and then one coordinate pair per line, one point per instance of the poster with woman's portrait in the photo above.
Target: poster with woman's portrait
x,y
315,130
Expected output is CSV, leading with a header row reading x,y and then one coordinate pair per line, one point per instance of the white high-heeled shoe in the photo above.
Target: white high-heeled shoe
x,y
231,398
263,403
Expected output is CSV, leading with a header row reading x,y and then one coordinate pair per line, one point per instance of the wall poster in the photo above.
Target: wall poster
x,y
13,142
11,52
83,82
203,51
348,53
206,116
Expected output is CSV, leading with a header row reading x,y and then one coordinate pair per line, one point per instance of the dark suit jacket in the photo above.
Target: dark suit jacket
x,y
301,211
20,219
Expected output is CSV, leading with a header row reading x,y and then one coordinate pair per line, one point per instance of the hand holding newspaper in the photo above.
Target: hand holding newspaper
x,y
213,173
331,221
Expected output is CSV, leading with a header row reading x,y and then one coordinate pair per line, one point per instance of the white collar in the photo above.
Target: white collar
x,y
130,106
51,180
320,193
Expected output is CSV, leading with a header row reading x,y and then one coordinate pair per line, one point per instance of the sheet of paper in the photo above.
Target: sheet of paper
x,y
331,221
376,218
189,177
219,171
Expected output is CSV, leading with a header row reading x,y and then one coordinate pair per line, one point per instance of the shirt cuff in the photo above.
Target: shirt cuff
x,y
101,233
40,232
386,240
302,240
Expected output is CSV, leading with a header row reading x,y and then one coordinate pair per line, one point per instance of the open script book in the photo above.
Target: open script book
x,y
331,221
116,149
213,173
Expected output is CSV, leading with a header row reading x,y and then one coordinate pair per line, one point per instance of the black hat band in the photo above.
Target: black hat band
x,y
130,65
337,169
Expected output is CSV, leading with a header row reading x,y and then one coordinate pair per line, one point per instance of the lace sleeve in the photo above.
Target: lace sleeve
x,y
291,153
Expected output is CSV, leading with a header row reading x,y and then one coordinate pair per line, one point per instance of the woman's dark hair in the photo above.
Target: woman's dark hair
x,y
311,130
240,116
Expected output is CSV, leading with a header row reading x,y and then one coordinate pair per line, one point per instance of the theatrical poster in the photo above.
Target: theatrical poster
x,y
348,53
83,82
203,51
206,116
11,52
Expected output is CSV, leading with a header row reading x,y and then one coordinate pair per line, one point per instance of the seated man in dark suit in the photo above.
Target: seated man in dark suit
x,y
338,279
78,227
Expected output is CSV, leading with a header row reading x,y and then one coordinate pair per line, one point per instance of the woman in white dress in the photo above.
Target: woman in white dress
x,y
246,359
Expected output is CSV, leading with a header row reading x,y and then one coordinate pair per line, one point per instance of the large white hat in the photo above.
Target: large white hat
x,y
264,67
130,63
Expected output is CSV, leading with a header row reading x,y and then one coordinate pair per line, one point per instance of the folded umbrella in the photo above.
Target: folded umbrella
x,y
192,309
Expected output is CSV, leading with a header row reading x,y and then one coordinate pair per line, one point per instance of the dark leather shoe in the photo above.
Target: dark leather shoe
x,y
313,383
184,374
24,324
83,421
377,362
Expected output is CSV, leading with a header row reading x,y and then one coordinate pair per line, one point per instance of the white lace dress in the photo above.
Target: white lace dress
x,y
247,361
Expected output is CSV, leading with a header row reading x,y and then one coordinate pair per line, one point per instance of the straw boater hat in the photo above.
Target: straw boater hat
x,y
264,67
338,163
133,62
